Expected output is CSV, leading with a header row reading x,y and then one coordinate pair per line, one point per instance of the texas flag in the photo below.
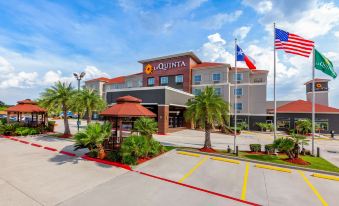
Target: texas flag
x,y
241,56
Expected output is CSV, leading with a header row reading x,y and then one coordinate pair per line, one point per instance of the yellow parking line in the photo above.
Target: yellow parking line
x,y
326,176
315,191
244,186
225,160
189,154
273,168
189,173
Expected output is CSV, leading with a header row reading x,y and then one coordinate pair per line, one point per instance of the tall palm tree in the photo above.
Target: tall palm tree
x,y
59,96
206,110
88,101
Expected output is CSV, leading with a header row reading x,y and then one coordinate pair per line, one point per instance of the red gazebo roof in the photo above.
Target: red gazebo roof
x,y
26,105
128,106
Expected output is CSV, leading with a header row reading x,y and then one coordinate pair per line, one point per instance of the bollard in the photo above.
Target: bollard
x,y
318,152
236,151
228,149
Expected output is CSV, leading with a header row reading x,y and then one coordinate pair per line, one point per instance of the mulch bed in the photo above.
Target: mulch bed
x,y
297,161
66,136
209,150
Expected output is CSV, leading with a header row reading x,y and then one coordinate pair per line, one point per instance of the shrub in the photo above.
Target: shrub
x,y
242,126
269,148
255,147
93,153
135,147
24,131
285,144
113,156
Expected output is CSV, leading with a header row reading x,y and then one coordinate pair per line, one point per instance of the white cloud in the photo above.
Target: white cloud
x,y
214,49
336,34
217,21
264,6
10,78
93,72
241,32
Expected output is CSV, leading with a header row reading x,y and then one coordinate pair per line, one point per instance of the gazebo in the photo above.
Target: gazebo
x,y
126,110
36,116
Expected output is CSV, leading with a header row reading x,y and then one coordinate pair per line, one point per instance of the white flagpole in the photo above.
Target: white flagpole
x,y
313,100
234,92
274,88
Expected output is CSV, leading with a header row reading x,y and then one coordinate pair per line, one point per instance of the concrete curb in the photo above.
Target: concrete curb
x,y
261,162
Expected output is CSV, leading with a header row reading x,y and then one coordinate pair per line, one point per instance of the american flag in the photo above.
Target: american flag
x,y
292,43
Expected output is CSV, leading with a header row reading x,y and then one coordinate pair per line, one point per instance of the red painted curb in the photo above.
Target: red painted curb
x,y
67,153
36,145
14,139
199,189
116,164
23,141
50,148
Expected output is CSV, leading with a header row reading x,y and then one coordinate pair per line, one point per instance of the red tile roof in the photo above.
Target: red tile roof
x,y
116,80
208,64
102,79
318,80
128,106
26,105
301,106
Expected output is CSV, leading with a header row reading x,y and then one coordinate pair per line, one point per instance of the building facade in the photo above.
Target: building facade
x,y
166,83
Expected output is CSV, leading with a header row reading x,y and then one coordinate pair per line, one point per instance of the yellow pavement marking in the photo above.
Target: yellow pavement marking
x,y
189,154
326,176
244,186
273,168
225,160
189,173
315,191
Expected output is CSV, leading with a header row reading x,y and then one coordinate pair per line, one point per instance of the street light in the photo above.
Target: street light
x,y
79,77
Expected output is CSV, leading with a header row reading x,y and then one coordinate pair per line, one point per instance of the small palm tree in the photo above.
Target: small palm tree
x,y
59,97
93,137
88,101
304,126
206,110
146,126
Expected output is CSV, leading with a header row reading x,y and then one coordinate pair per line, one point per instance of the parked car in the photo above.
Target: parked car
x,y
3,116
69,115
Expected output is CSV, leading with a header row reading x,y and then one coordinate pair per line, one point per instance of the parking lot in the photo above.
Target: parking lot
x,y
31,175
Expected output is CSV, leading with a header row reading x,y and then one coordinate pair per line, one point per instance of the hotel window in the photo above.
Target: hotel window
x,y
163,80
179,79
217,91
129,83
238,92
216,77
197,78
239,77
197,91
139,83
238,106
150,81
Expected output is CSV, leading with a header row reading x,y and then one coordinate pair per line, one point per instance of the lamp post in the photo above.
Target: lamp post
x,y
79,77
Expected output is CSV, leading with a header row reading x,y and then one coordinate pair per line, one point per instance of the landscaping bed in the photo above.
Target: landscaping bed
x,y
306,161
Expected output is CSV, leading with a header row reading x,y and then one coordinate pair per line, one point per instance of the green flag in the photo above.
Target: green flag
x,y
323,64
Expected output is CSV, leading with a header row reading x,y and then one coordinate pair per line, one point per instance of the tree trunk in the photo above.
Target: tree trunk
x,y
89,116
101,152
207,136
67,130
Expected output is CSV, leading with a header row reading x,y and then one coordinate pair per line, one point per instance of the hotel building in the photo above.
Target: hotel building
x,y
166,83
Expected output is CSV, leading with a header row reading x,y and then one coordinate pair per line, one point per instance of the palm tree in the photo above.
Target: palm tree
x,y
146,126
93,137
60,97
88,101
205,110
304,126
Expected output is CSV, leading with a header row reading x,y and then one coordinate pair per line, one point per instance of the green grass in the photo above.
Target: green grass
x,y
315,162
168,148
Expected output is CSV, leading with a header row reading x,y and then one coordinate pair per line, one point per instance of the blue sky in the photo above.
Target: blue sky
x,y
45,41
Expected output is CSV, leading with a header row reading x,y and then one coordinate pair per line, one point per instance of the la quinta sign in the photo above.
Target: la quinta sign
x,y
164,66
